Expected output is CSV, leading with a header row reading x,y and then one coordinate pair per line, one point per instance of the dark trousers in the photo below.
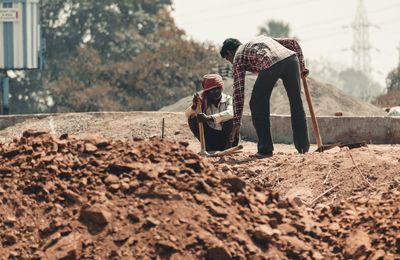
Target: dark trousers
x,y
288,71
215,140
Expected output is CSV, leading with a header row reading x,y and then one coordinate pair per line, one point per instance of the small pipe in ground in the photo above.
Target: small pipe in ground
x,y
162,128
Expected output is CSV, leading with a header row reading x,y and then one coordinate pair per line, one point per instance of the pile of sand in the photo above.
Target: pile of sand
x,y
69,198
327,100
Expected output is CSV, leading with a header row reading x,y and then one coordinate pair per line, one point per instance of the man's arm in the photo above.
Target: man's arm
x,y
189,112
239,73
225,115
293,45
192,110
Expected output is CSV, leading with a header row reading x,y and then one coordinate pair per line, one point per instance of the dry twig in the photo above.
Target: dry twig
x,y
359,171
327,176
323,194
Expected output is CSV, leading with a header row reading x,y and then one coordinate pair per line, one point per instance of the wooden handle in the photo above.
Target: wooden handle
x,y
228,151
201,130
202,138
312,114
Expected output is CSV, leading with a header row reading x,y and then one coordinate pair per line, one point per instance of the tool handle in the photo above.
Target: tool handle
x,y
201,130
228,151
312,114
202,138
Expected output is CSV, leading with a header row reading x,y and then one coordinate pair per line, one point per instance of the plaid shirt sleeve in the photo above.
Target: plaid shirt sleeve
x,y
293,45
239,73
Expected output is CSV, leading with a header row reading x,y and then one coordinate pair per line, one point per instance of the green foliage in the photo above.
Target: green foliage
x,y
26,94
152,79
80,88
393,80
117,28
275,29
112,55
392,97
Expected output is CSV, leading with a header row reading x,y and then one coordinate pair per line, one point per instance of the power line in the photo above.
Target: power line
x,y
336,31
241,3
252,11
322,36
339,18
272,9
309,26
385,8
397,19
300,33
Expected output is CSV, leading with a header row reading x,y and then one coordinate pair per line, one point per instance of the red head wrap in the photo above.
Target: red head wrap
x,y
211,81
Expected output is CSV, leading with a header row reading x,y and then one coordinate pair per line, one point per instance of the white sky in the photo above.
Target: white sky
x,y
319,24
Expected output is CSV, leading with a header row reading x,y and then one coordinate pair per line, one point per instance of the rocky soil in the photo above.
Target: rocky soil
x,y
93,187
366,170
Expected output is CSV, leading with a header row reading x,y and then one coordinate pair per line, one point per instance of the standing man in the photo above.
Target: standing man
x,y
272,59
216,114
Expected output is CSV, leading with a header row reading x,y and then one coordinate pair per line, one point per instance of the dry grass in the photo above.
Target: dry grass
x,y
390,99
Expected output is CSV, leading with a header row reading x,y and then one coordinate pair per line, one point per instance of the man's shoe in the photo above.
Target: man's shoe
x,y
262,155
303,151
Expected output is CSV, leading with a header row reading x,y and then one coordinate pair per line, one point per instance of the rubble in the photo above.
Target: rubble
x,y
70,198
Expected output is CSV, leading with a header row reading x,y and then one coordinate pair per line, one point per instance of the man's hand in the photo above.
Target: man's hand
x,y
203,118
196,100
305,73
234,135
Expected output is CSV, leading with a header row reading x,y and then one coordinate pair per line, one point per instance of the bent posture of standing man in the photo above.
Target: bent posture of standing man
x,y
272,59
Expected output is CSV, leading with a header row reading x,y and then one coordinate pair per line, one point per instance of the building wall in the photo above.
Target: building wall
x,y
376,130
20,38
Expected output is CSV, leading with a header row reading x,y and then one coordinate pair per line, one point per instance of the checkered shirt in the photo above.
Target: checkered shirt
x,y
254,56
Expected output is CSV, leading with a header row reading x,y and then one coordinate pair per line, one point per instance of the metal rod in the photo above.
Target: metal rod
x,y
162,128
6,91
1,91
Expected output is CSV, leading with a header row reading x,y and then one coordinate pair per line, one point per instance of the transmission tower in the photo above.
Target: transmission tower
x,y
361,45
398,48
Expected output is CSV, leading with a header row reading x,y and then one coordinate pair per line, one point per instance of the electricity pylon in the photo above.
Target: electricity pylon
x,y
361,45
398,47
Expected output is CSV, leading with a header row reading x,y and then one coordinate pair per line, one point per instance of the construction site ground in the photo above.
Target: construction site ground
x,y
367,169
315,181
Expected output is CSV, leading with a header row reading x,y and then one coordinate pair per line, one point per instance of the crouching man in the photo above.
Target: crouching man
x,y
215,110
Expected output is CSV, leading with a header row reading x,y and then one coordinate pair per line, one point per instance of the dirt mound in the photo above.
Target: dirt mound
x,y
364,223
69,198
327,100
367,170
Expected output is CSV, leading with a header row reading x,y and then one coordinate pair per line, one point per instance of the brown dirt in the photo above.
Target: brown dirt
x,y
374,169
84,196
327,100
